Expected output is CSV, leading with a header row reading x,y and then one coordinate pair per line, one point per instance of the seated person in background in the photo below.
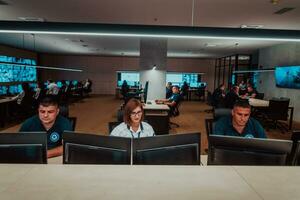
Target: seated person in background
x,y
219,96
173,100
168,90
49,121
240,124
251,92
53,89
232,96
133,125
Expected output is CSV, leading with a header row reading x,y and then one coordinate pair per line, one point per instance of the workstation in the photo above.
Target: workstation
x,y
144,99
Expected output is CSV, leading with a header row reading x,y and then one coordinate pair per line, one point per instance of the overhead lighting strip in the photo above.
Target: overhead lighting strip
x,y
121,30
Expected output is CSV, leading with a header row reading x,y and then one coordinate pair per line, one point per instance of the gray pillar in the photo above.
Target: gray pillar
x,y
153,52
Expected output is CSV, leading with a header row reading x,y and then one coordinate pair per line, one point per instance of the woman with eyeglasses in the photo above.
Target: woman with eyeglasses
x,y
133,125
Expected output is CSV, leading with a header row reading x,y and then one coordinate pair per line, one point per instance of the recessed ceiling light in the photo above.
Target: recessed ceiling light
x,y
210,45
32,19
252,26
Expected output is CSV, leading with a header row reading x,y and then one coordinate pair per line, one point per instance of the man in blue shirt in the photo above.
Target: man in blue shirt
x,y
240,124
48,120
173,100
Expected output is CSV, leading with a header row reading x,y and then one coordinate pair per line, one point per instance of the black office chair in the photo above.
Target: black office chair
x,y
200,93
295,159
221,112
112,125
73,121
260,95
277,112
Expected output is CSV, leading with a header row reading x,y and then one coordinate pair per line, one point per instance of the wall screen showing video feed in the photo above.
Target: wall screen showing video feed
x,y
10,71
192,79
288,77
132,78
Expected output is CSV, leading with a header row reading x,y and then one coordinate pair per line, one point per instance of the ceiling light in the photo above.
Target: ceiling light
x,y
252,26
210,45
32,19
122,30
154,67
274,2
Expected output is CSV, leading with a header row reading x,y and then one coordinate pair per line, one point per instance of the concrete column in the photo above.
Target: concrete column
x,y
153,52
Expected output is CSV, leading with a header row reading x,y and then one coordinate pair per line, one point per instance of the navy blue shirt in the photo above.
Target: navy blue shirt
x,y
54,134
175,97
253,129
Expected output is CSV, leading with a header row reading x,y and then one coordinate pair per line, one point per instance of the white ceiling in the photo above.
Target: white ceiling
x,y
212,13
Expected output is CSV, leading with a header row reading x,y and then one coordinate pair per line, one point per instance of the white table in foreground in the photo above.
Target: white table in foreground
x,y
258,102
148,182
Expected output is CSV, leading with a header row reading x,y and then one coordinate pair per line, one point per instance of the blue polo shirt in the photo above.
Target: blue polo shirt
x,y
54,134
175,97
253,129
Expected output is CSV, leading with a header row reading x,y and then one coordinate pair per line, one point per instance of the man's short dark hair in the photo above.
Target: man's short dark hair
x,y
49,100
242,104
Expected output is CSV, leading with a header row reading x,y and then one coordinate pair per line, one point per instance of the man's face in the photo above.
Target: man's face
x,y
48,114
175,90
240,116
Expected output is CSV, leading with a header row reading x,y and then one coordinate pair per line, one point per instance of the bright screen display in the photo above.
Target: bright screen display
x,y
192,79
13,72
288,77
132,78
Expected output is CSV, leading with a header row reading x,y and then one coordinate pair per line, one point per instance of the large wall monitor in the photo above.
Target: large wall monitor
x,y
132,78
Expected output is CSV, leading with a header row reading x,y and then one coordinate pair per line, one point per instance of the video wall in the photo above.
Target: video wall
x,y
11,71
132,78
193,79
288,77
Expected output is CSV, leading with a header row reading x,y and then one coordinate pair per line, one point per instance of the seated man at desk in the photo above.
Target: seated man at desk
x,y
48,120
173,100
240,123
133,125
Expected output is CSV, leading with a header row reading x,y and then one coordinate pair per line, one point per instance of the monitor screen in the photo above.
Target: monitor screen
x,y
132,78
3,90
15,89
23,147
288,77
227,150
193,79
82,148
181,149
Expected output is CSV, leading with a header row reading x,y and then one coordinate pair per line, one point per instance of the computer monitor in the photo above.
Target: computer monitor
x,y
228,150
23,147
81,148
183,149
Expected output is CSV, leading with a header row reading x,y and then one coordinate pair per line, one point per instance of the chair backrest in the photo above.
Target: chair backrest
x,y
82,148
221,112
278,108
295,159
73,121
23,147
181,149
209,126
260,95
112,125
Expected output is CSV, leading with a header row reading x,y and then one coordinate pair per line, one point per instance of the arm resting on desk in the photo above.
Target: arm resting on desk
x,y
57,151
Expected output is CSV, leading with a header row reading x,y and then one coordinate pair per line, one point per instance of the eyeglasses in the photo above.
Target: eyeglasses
x,y
138,113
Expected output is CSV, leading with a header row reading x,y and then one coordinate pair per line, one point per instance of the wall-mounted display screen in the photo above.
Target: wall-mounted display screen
x,y
288,77
193,79
132,78
10,71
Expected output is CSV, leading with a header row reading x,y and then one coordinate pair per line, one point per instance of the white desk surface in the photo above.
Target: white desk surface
x,y
155,106
258,102
148,182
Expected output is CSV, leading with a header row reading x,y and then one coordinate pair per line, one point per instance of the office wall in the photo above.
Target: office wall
x,y
283,54
10,51
102,70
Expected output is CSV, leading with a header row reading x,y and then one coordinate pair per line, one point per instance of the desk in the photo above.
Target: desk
x,y
148,182
258,103
157,116
118,91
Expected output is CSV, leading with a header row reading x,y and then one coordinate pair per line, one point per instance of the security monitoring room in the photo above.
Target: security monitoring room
x,y
170,99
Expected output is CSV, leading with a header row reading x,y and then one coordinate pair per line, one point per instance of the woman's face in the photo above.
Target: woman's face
x,y
136,115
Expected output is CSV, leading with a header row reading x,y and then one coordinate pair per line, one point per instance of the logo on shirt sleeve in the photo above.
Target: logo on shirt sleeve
x,y
54,137
249,136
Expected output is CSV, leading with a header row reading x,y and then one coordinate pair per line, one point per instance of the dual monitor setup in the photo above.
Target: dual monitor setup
x,y
180,149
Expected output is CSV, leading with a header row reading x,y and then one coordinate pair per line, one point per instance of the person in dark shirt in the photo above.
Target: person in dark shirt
x,y
49,121
251,92
240,123
219,96
168,90
173,100
232,97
